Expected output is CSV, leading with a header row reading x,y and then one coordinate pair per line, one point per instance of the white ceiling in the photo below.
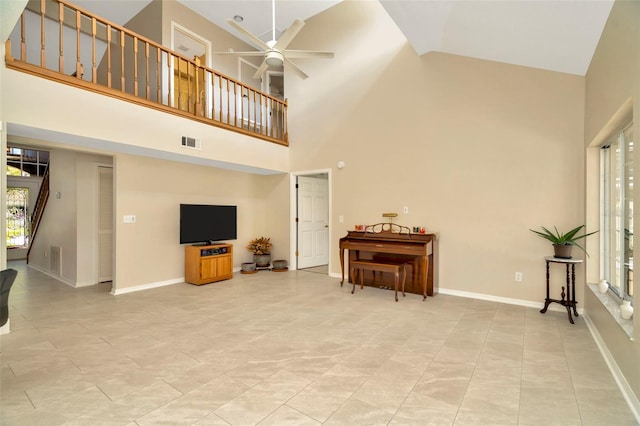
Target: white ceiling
x,y
557,35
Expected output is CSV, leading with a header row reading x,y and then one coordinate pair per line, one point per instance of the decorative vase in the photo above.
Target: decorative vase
x,y
562,251
603,286
626,310
279,265
248,267
262,260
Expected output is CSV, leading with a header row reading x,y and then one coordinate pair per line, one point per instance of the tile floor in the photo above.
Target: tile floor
x,y
293,349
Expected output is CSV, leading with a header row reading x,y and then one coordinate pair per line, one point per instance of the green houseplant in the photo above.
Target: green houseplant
x,y
261,249
563,241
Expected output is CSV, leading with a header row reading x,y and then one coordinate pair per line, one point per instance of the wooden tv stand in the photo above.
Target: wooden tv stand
x,y
207,264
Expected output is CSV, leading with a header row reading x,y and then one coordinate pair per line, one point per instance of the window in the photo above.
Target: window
x,y
26,162
616,212
17,217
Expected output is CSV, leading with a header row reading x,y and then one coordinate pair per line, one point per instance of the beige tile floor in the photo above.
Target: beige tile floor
x,y
293,348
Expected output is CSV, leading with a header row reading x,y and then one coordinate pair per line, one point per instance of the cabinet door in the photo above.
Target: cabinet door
x,y
208,268
224,265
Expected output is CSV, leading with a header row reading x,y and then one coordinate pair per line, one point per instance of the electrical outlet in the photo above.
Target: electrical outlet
x,y
518,277
341,219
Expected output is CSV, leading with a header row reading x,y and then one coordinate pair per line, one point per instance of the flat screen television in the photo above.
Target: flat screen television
x,y
200,223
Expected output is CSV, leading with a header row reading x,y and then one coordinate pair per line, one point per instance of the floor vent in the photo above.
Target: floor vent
x,y
193,143
56,260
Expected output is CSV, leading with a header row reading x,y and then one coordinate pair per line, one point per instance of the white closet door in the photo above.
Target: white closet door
x,y
105,224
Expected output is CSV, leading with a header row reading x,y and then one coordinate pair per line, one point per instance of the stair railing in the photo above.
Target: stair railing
x,y
58,40
38,210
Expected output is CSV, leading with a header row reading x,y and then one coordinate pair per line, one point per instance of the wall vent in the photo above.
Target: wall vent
x,y
193,143
56,260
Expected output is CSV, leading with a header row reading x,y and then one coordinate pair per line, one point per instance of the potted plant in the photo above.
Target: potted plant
x,y
563,242
261,249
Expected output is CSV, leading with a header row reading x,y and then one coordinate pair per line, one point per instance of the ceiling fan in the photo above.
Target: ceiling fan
x,y
275,52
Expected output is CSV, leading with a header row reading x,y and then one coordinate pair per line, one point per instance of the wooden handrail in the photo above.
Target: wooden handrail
x,y
146,73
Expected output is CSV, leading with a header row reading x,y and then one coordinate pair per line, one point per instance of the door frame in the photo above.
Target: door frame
x,y
198,39
293,207
96,236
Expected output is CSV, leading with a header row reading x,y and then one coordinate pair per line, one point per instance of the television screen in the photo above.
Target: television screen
x,y
201,223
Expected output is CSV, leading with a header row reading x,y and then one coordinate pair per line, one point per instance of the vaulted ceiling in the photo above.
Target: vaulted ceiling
x,y
557,35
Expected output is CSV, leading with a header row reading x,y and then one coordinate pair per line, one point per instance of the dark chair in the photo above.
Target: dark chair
x,y
7,277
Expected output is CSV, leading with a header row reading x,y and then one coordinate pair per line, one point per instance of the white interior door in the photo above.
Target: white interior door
x,y
105,224
313,221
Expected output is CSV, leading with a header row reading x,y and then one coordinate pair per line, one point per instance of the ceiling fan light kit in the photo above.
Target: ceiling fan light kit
x,y
274,58
274,51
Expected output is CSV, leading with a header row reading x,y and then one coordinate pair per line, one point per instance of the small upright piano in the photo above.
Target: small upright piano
x,y
383,243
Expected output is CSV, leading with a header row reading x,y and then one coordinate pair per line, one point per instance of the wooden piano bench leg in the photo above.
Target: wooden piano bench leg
x,y
404,277
395,282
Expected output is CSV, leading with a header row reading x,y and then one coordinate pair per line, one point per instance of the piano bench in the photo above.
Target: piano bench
x,y
369,265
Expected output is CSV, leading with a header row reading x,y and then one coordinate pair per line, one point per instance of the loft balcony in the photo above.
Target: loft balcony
x,y
59,41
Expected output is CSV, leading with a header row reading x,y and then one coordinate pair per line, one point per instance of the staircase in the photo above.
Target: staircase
x,y
41,203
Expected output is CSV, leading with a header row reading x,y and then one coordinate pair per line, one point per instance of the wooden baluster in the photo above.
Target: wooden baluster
x,y
237,99
274,118
158,70
23,39
109,55
261,99
135,65
7,50
178,86
169,80
285,138
196,67
79,71
94,69
146,56
255,114
278,129
228,102
122,60
220,96
61,54
43,52
190,97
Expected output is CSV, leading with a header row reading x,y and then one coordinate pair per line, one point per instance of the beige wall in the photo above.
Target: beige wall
x,y
479,151
149,251
612,95
221,40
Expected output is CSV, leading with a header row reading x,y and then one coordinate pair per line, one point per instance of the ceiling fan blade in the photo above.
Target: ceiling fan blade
x,y
261,69
255,40
288,35
307,54
250,53
295,68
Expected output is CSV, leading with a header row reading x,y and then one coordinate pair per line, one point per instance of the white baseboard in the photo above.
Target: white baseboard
x,y
526,303
6,329
56,277
626,390
470,295
148,286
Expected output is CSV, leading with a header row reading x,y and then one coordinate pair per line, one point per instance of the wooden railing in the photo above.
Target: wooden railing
x,y
38,210
63,42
